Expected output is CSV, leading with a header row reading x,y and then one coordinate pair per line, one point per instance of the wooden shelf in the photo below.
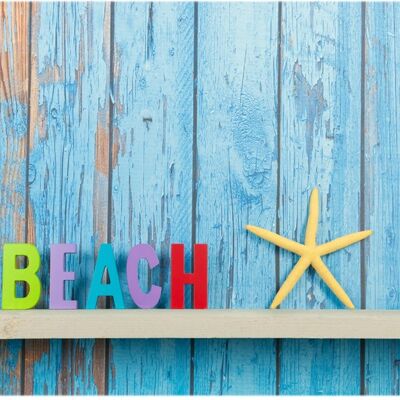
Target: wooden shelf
x,y
327,324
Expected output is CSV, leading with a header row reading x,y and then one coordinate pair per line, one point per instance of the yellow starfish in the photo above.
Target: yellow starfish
x,y
310,253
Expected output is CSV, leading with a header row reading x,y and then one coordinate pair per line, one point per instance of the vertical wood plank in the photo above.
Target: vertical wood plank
x,y
320,147
14,97
237,182
68,175
152,174
382,180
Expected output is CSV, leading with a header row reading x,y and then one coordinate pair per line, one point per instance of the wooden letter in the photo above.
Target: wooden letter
x,y
97,288
143,300
198,278
58,276
12,274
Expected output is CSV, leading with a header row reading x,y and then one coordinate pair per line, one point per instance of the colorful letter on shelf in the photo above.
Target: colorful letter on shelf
x,y
58,276
198,278
143,300
97,288
12,274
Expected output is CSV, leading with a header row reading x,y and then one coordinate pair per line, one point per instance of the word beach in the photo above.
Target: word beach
x,y
105,262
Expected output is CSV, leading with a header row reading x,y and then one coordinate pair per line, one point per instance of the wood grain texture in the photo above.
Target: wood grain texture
x,y
151,175
214,323
68,175
320,147
14,98
227,55
236,184
382,180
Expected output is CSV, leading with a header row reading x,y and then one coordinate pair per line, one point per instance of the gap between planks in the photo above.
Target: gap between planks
x,y
312,324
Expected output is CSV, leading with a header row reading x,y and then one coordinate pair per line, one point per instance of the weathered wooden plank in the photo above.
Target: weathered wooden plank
x,y
14,95
152,174
223,323
382,180
236,183
68,175
320,147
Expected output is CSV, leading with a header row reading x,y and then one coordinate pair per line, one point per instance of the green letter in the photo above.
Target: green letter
x,y
105,259
12,274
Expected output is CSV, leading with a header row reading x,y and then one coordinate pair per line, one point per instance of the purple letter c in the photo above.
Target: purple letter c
x,y
143,300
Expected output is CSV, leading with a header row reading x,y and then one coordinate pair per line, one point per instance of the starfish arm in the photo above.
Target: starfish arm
x,y
332,283
291,280
277,240
312,223
342,242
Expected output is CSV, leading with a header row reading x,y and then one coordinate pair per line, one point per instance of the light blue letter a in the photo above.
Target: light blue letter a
x,y
97,288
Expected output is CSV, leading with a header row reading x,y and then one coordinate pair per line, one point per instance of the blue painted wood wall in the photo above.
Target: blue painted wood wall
x,y
182,122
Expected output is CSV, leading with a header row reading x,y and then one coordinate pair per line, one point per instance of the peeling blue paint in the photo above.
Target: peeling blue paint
x,y
333,129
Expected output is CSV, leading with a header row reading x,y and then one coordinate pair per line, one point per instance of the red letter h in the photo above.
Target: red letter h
x,y
198,278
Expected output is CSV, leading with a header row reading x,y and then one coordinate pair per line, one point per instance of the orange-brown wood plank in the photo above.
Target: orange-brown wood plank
x,y
14,96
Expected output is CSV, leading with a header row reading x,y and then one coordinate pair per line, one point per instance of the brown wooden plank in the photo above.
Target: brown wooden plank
x,y
14,95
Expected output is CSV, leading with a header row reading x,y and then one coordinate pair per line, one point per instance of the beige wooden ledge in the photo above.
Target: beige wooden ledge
x,y
35,324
